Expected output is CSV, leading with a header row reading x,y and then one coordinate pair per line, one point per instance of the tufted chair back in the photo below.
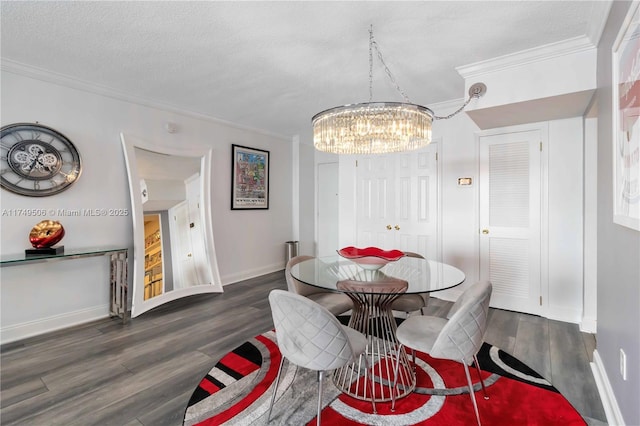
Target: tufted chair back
x,y
308,334
462,336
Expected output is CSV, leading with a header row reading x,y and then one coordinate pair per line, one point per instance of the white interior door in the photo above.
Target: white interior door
x,y
510,219
397,197
198,249
181,250
375,177
327,209
416,202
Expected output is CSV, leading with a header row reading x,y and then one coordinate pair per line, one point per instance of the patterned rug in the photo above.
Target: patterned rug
x,y
238,389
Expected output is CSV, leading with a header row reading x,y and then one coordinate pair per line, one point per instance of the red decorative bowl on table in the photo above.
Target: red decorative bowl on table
x,y
371,258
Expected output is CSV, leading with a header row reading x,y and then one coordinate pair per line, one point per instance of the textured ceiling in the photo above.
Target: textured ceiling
x,y
273,65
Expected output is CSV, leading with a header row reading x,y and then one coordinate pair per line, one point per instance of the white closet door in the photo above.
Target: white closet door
x,y
510,219
397,201
375,177
328,188
416,200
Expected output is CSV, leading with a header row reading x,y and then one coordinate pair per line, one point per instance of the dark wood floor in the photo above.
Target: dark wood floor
x,y
143,373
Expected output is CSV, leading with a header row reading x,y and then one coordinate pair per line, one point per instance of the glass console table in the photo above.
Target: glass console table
x,y
118,271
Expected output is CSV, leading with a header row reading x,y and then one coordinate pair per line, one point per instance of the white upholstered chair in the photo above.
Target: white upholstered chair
x,y
408,303
457,338
336,303
310,336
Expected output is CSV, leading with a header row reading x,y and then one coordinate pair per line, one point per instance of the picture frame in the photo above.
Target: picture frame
x,y
249,178
626,121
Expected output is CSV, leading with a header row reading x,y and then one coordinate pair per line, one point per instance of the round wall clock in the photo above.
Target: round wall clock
x,y
36,160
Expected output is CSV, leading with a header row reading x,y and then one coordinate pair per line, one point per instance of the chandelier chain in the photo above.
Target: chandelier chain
x,y
475,92
456,112
374,45
371,64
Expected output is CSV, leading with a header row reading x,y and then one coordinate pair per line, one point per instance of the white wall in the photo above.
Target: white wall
x,y
248,243
540,84
459,210
618,259
565,219
563,283
307,200
553,85
590,226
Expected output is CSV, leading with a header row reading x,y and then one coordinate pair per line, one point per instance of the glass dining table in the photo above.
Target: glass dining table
x,y
373,291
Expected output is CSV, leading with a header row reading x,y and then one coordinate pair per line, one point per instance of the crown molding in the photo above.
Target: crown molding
x,y
11,66
536,54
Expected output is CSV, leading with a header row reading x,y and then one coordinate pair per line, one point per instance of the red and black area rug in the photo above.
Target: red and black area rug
x,y
238,389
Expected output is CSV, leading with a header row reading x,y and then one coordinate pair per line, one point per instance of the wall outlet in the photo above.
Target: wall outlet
x,y
623,364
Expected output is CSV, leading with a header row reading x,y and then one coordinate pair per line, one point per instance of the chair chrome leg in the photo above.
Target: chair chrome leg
x,y
275,389
471,392
320,377
293,380
484,389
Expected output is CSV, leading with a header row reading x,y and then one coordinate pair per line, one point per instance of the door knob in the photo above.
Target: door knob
x,y
485,231
389,227
397,227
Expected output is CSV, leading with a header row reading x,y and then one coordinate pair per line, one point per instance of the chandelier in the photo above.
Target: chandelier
x,y
378,127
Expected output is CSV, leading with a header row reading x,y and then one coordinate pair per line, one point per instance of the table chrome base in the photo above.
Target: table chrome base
x,y
372,316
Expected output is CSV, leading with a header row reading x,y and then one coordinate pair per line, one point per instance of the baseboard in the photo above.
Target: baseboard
x,y
609,402
251,273
564,314
45,325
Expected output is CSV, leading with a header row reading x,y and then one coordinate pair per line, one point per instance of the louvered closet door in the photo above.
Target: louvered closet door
x,y
510,219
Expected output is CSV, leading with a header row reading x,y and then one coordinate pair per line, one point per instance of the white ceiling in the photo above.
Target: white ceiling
x,y
273,65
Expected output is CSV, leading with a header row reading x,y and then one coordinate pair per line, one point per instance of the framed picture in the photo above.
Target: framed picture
x,y
249,178
626,121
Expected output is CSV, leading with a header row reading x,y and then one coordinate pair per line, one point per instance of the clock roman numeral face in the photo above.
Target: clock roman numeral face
x,y
36,160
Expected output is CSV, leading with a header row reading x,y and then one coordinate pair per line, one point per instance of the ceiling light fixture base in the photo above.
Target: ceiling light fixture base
x,y
477,90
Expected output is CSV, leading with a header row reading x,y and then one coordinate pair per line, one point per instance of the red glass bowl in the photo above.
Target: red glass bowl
x,y
370,257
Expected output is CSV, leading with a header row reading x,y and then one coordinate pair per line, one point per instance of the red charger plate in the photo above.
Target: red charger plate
x,y
355,253
370,257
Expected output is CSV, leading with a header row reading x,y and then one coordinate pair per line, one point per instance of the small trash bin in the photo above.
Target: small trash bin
x,y
291,250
